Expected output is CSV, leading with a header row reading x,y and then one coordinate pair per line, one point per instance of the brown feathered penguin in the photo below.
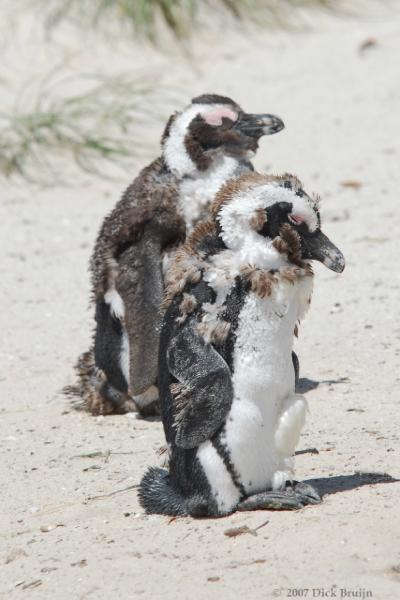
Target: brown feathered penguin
x,y
209,142
231,415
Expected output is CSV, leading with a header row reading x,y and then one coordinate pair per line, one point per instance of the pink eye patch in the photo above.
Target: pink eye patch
x,y
215,117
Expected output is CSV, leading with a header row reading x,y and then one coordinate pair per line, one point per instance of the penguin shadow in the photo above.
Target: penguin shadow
x,y
150,413
149,418
345,483
339,483
305,384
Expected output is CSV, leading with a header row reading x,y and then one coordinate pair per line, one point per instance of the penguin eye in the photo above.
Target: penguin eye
x,y
227,123
296,219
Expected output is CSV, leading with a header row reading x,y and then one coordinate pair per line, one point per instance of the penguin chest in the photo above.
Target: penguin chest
x,y
197,191
263,377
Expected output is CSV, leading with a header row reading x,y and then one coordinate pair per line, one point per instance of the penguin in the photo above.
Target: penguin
x,y
239,286
211,141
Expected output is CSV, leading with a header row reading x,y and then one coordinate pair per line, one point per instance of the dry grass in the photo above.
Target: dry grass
x,y
93,127
141,16
99,126
179,16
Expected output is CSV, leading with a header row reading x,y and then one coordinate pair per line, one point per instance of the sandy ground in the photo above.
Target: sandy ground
x,y
70,528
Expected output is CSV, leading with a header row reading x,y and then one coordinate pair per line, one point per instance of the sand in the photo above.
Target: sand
x,y
71,524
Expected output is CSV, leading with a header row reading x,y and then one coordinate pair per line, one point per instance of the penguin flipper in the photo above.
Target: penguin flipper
x,y
140,285
204,392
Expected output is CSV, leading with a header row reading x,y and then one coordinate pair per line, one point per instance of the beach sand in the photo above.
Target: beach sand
x,y
71,524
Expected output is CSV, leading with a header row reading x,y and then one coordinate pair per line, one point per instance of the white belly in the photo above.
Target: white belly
x,y
264,423
266,417
262,361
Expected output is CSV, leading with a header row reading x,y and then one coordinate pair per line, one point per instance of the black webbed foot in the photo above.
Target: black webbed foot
x,y
294,497
307,493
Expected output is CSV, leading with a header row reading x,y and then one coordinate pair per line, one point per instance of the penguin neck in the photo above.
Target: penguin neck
x,y
198,189
227,264
177,159
182,165
262,255
257,251
174,147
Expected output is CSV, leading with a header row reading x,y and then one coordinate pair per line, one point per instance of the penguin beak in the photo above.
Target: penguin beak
x,y
258,125
317,246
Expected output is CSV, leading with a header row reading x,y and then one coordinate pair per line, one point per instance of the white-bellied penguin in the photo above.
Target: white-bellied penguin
x,y
238,288
205,145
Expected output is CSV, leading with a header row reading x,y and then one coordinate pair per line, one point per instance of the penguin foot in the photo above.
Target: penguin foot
x,y
109,401
98,395
294,497
97,405
126,406
307,493
147,403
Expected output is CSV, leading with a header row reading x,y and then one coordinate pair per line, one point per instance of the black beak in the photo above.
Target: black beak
x,y
317,246
259,125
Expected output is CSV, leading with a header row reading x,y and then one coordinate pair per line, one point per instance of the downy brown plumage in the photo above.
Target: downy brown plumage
x,y
204,146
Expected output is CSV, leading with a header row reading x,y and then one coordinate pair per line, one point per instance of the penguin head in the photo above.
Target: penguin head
x,y
255,211
210,127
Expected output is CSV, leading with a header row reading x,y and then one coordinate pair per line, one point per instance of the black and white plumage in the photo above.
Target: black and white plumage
x,y
238,288
205,145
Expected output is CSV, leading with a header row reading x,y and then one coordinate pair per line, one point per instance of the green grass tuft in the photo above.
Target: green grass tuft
x,y
94,127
